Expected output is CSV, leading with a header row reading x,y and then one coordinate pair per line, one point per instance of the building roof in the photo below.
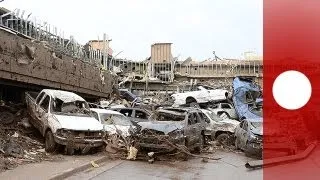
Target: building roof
x,y
160,44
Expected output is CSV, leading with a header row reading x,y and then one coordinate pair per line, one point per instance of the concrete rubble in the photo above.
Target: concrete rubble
x,y
20,143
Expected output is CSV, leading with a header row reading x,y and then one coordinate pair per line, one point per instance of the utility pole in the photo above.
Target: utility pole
x,y
104,51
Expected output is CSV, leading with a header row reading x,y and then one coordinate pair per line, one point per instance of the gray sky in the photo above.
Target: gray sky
x,y
195,27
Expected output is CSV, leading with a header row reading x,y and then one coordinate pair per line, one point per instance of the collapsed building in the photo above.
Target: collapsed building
x,y
34,55
163,72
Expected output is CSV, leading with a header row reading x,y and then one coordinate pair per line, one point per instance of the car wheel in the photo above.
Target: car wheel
x,y
50,144
224,139
70,151
199,148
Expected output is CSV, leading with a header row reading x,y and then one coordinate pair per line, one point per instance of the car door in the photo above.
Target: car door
x,y
203,95
207,124
192,132
42,112
243,134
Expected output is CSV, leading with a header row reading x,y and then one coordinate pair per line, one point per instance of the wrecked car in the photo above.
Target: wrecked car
x,y
171,127
247,98
129,96
93,105
224,110
113,121
248,136
252,138
219,129
63,118
199,95
134,114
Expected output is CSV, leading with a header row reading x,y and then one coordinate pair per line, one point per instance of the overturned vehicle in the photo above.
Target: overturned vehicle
x,y
171,128
247,98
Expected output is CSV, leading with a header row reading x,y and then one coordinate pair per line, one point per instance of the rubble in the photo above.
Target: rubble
x,y
20,143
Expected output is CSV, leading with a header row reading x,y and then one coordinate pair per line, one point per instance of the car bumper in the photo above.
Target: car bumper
x,y
254,148
78,143
162,145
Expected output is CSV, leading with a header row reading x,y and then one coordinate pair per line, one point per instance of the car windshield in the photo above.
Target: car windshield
x,y
163,116
115,119
213,116
80,108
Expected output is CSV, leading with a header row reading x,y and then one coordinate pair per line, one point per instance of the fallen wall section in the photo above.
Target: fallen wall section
x,y
29,61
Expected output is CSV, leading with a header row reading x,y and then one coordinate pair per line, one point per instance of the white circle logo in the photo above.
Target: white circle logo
x,y
292,90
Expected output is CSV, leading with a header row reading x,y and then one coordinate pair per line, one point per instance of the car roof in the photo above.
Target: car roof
x,y
255,120
182,108
97,110
129,108
65,96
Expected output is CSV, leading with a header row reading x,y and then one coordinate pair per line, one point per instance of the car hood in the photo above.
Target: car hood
x,y
230,121
79,123
225,125
112,129
162,126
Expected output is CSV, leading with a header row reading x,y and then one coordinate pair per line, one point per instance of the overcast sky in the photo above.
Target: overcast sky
x,y
195,27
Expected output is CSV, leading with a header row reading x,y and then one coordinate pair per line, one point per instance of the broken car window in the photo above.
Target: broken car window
x,y
213,116
95,115
192,119
75,107
115,119
45,103
204,117
126,112
225,106
39,98
140,114
168,117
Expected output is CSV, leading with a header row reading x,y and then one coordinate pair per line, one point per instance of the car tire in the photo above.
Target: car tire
x,y
199,148
50,144
70,151
223,139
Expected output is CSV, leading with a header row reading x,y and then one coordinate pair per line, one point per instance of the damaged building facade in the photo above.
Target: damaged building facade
x,y
36,55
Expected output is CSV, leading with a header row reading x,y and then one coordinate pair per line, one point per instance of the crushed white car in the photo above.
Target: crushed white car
x,y
113,121
199,95
222,130
225,110
63,118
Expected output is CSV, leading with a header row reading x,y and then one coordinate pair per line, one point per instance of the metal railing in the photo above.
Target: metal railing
x,y
28,26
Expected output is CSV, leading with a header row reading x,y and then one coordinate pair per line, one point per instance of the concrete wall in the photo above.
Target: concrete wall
x,y
27,61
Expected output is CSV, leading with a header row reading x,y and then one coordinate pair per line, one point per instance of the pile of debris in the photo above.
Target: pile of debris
x,y
19,141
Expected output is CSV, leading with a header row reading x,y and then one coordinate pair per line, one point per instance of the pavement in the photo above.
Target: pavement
x,y
231,166
48,169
